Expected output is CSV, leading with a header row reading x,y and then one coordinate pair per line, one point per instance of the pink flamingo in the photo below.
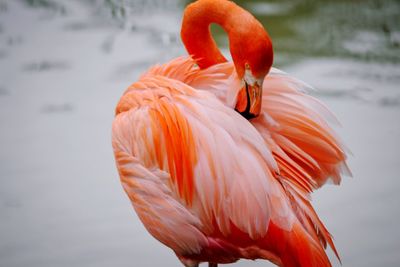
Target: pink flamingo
x,y
219,158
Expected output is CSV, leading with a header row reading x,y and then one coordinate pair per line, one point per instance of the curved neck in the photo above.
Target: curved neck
x,y
196,34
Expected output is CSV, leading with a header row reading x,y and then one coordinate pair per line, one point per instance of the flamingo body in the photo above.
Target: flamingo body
x,y
214,186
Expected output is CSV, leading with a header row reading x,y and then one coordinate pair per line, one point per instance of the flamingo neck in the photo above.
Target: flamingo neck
x,y
196,34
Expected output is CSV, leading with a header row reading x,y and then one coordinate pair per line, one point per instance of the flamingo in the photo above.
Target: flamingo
x,y
219,158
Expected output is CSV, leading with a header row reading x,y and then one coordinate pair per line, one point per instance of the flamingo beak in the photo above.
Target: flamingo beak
x,y
249,100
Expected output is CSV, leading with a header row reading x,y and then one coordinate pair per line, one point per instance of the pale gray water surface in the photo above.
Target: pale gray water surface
x,y
63,66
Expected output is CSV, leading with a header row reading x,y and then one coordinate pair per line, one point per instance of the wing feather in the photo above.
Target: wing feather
x,y
218,169
218,165
307,150
296,128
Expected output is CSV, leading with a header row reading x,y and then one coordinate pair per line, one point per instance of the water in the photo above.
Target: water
x,y
64,65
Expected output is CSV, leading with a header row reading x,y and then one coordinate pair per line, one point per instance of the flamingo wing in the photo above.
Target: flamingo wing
x,y
294,124
141,134
213,186
295,127
193,167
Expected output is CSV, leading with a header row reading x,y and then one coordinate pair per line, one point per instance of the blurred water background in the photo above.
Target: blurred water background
x,y
64,65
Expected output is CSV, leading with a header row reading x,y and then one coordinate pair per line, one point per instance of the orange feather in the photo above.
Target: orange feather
x,y
206,182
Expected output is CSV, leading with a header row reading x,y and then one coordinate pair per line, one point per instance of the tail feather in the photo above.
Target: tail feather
x,y
297,248
307,216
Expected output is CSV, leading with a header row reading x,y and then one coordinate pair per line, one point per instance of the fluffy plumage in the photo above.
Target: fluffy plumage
x,y
216,187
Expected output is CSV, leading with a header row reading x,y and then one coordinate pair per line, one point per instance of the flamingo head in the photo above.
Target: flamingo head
x,y
250,46
252,55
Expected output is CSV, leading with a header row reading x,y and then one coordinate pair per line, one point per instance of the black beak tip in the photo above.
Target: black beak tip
x,y
246,114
